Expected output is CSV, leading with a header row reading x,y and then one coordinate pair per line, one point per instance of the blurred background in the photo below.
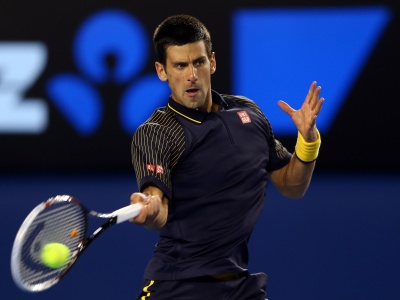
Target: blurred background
x,y
77,78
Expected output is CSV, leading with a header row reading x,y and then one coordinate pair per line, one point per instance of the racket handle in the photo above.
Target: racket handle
x,y
128,212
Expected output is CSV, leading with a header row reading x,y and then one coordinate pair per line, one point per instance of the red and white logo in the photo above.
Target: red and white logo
x,y
158,169
150,167
244,116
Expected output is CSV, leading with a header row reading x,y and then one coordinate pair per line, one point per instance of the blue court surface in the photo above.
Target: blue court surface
x,y
341,241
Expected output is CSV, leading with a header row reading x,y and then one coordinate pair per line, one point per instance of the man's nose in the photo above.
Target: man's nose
x,y
192,73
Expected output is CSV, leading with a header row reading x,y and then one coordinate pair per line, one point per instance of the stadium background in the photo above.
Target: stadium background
x,y
340,241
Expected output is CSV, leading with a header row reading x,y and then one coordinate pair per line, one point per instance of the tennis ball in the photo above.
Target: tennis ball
x,y
55,255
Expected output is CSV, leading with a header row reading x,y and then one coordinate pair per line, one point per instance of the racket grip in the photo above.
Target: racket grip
x,y
128,212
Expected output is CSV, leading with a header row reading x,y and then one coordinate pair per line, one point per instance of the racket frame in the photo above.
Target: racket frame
x,y
118,216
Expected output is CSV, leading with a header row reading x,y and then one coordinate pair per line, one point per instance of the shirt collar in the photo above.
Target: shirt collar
x,y
194,115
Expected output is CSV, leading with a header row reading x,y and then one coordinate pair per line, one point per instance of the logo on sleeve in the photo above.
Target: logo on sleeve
x,y
244,116
158,169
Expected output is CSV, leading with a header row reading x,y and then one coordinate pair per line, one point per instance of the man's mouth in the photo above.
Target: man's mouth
x,y
192,92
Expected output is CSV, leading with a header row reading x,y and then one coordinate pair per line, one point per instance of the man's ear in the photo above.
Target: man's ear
x,y
213,63
162,74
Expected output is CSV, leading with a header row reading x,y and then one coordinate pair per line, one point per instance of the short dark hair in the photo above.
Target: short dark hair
x,y
179,30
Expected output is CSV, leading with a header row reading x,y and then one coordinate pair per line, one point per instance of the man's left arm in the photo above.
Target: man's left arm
x,y
293,179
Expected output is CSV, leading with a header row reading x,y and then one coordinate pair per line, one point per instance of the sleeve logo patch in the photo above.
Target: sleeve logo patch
x,y
158,169
244,116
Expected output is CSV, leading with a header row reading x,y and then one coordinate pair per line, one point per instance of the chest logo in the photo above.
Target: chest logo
x,y
244,116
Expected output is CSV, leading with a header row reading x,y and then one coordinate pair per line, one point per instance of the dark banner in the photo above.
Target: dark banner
x,y
77,77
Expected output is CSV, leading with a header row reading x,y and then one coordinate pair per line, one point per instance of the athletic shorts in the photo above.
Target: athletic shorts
x,y
244,287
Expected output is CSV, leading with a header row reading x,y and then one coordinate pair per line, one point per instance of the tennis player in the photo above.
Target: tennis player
x,y
205,160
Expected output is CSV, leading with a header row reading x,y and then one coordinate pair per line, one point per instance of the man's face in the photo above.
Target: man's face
x,y
188,72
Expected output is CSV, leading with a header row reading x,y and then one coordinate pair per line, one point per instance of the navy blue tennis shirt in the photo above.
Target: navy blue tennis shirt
x,y
213,167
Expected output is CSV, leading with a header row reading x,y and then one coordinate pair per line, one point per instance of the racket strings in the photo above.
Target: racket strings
x,y
60,222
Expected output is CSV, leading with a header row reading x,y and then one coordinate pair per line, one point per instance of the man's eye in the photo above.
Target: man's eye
x,y
199,63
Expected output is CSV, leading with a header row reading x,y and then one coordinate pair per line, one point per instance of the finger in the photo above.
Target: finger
x,y
318,106
138,197
141,217
154,205
311,92
315,97
285,107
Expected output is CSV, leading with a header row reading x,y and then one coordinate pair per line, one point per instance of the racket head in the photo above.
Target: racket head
x,y
59,219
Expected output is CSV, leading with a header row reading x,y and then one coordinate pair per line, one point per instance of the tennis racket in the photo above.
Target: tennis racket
x,y
60,219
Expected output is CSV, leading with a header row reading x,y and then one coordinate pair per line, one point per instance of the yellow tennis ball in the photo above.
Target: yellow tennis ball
x,y
55,255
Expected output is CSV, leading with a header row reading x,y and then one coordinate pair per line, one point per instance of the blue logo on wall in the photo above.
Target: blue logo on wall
x,y
108,33
277,53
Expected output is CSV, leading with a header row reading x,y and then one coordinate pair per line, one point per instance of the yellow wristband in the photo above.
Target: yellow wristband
x,y
305,151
